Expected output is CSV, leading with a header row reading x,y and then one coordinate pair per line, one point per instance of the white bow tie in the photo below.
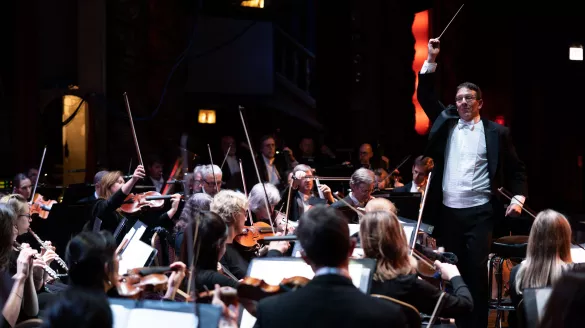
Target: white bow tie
x,y
465,125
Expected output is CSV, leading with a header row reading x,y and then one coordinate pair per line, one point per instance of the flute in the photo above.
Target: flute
x,y
58,259
47,269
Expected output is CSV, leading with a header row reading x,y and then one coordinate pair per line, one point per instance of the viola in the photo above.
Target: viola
x,y
140,281
135,203
251,236
40,206
256,289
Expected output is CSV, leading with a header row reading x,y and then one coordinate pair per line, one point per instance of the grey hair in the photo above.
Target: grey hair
x,y
257,197
362,175
198,169
208,171
302,168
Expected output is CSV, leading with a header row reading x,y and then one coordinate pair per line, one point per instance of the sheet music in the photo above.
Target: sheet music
x,y
353,228
542,296
141,318
136,254
577,254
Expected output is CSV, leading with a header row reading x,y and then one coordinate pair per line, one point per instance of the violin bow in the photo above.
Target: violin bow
x,y
212,169
434,315
193,257
241,109
397,167
349,205
420,212
226,155
245,191
127,103
38,177
286,211
185,165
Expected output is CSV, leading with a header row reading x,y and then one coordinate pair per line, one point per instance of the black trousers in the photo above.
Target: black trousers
x,y
467,232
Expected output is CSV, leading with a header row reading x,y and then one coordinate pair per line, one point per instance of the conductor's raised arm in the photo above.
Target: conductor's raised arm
x,y
426,93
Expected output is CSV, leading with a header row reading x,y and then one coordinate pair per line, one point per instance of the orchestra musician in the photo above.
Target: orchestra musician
x,y
362,185
257,200
112,194
22,185
18,297
211,241
197,179
211,184
272,168
154,176
384,240
232,207
303,196
420,172
93,264
231,168
97,178
330,299
473,157
193,206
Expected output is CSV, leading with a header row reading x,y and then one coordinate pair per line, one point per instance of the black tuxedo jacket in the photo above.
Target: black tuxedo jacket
x,y
252,179
328,301
296,208
505,168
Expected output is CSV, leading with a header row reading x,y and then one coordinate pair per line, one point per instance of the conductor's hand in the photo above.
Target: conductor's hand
x,y
434,50
513,210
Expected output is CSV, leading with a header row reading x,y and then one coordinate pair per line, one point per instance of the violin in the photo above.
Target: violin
x,y
229,296
40,206
251,236
139,281
255,289
135,203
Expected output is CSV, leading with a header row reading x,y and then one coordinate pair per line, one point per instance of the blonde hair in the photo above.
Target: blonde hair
x,y
381,204
549,248
227,204
16,202
384,240
107,181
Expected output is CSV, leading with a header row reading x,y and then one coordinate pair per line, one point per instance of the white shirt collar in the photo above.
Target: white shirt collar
x,y
268,161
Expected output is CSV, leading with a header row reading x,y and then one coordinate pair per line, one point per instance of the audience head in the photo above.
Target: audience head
x,y
21,209
384,240
77,307
110,183
257,199
193,206
92,260
231,206
324,235
549,247
22,185
362,184
211,238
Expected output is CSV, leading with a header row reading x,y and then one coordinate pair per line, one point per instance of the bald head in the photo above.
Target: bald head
x,y
380,204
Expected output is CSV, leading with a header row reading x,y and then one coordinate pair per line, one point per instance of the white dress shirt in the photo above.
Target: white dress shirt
x,y
417,188
466,180
158,184
233,164
273,176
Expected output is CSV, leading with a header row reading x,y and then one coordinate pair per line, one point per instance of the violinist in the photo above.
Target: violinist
x,y
211,240
193,206
93,264
198,179
112,194
231,206
257,200
420,173
362,185
18,298
272,168
211,179
384,240
304,196
330,299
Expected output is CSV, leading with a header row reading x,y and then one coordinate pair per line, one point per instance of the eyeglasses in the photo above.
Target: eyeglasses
x,y
211,183
25,215
467,98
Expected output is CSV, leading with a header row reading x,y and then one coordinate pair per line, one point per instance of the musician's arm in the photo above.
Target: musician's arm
x,y
138,174
426,93
30,304
455,304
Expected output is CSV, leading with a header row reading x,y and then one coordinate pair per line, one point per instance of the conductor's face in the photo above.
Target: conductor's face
x,y
468,105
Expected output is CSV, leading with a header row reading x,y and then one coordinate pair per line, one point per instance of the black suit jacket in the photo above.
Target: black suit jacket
x,y
252,179
405,188
505,168
296,208
328,301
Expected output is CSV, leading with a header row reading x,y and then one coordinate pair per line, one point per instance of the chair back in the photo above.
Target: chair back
x,y
412,314
166,253
534,301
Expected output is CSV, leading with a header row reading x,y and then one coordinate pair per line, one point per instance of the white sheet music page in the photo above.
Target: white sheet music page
x,y
136,255
142,318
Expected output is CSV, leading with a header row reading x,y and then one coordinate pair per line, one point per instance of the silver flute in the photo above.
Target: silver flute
x,y
47,269
58,259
